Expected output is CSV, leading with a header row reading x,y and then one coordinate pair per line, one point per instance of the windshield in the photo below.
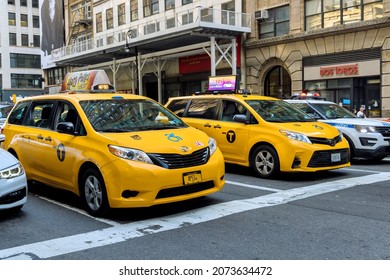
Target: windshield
x,y
332,111
122,115
278,111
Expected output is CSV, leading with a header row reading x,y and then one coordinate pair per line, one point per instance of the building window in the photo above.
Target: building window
x,y
36,21
26,81
24,20
228,14
169,4
18,60
11,19
184,2
121,14
133,10
277,23
23,3
109,19
99,23
187,18
150,7
25,40
328,13
35,3
11,2
37,41
55,76
12,39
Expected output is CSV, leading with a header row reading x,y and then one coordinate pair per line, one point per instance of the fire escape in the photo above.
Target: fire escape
x,y
80,27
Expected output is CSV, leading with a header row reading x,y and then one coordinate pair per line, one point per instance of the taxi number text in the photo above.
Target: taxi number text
x,y
192,177
335,157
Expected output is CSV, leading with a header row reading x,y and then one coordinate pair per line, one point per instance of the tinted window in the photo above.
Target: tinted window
x,y
178,106
17,115
202,108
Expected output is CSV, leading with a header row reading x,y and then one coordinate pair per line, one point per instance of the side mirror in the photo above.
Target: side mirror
x,y
240,118
65,127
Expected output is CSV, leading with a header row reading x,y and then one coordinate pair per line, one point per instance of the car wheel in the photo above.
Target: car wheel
x,y
93,193
265,162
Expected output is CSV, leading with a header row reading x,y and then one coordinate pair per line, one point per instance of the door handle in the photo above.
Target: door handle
x,y
39,137
48,139
207,125
217,126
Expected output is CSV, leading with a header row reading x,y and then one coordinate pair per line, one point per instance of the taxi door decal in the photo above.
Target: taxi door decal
x,y
61,152
231,136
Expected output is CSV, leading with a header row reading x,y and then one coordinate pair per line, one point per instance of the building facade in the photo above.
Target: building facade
x,y
338,48
20,58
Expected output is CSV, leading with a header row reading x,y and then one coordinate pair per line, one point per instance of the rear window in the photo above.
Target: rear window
x,y
202,109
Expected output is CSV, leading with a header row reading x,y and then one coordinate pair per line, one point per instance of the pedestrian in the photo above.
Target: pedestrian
x,y
361,113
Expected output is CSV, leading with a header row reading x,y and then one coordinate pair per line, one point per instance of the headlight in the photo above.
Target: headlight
x,y
12,172
295,136
365,128
130,154
212,145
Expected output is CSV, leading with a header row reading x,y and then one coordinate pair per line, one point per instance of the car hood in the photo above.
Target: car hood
x,y
312,129
178,141
356,121
7,159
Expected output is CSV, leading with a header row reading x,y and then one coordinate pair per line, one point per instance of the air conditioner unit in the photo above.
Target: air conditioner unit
x,y
262,14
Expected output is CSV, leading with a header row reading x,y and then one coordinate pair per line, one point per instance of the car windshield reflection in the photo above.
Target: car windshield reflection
x,y
333,111
124,115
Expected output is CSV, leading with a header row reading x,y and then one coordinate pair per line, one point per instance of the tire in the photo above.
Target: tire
x,y
93,193
265,162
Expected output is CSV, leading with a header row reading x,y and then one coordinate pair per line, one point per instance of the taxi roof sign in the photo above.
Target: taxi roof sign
x,y
87,81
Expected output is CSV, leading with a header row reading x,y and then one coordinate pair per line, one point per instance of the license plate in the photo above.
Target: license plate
x,y
335,157
192,177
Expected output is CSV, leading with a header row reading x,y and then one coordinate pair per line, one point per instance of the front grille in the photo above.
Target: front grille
x,y
182,190
323,158
384,130
14,196
326,141
174,161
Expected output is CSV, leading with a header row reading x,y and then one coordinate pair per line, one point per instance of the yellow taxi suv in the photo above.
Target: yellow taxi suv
x,y
264,133
114,150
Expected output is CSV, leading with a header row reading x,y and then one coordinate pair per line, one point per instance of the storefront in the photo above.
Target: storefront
x,y
351,79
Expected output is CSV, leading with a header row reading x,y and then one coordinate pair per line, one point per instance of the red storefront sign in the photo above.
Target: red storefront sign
x,y
341,70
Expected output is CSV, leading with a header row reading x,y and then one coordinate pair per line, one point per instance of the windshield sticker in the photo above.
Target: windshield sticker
x,y
231,136
174,138
61,152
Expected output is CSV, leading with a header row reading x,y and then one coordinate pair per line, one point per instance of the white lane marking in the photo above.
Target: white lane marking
x,y
121,233
253,186
361,170
106,221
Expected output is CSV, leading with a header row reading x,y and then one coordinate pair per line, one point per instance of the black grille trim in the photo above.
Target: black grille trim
x,y
175,161
14,196
323,158
326,141
384,130
182,190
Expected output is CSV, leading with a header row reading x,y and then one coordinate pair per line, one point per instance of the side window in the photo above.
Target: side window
x,y
178,106
202,108
40,114
229,109
17,115
68,113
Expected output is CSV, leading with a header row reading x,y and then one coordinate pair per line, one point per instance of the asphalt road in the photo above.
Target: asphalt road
x,y
335,215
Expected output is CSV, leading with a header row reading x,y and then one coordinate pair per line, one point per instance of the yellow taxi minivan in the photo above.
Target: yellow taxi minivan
x,y
114,150
264,133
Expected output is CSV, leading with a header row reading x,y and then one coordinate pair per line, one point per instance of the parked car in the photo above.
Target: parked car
x,y
4,111
114,150
13,182
367,138
265,133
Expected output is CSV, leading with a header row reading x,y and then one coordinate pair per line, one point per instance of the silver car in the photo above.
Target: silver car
x,y
4,111
13,182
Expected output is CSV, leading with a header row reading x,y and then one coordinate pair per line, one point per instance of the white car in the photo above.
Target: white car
x,y
4,111
13,182
367,138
